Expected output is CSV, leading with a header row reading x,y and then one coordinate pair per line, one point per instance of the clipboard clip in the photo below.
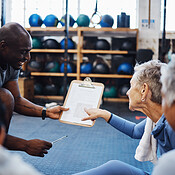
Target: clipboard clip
x,y
87,82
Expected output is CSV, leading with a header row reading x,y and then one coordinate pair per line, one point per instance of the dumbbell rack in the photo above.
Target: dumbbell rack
x,y
81,32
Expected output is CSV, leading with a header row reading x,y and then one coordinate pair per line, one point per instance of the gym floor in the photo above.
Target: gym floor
x,y
84,148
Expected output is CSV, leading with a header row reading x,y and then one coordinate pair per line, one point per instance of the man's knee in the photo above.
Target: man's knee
x,y
7,98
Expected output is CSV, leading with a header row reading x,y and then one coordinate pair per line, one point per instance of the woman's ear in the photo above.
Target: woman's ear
x,y
144,91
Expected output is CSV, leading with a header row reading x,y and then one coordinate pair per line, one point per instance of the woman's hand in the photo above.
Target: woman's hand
x,y
54,112
95,113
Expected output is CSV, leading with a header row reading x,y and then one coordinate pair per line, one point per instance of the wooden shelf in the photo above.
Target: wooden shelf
x,y
79,33
84,51
106,75
107,31
51,31
116,99
53,74
48,29
52,51
87,31
81,75
50,97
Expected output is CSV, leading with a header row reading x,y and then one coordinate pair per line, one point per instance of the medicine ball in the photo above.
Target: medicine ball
x,y
83,20
35,20
144,55
51,44
123,90
110,92
106,21
36,43
125,68
50,89
70,68
89,42
101,68
86,68
61,91
34,66
102,44
52,66
71,20
127,45
51,21
38,89
70,44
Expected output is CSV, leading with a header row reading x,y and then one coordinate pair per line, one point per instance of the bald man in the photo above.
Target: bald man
x,y
15,46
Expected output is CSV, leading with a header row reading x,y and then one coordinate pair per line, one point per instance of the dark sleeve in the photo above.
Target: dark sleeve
x,y
14,74
129,128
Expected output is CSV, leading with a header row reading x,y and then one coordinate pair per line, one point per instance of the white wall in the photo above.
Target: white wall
x,y
149,37
8,9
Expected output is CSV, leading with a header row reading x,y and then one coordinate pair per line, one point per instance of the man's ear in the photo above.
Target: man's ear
x,y
3,44
144,91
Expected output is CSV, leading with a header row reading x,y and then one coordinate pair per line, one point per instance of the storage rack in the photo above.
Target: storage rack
x,y
81,32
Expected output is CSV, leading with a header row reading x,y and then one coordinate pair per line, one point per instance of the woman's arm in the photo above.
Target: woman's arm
x,y
129,128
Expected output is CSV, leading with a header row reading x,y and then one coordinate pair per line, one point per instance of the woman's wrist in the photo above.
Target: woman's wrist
x,y
106,115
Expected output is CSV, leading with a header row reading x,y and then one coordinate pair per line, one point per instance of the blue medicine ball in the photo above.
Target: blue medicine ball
x,y
35,20
51,21
69,68
70,44
71,20
86,68
83,20
106,21
125,68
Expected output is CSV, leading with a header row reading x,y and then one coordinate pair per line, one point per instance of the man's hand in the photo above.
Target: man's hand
x,y
37,147
54,112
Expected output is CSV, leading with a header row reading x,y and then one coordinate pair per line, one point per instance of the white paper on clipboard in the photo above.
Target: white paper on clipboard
x,y
81,96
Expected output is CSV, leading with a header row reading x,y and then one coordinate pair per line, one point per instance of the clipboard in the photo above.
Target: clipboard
x,y
81,94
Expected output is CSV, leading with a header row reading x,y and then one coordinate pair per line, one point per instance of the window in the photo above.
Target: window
x,y
170,24
22,9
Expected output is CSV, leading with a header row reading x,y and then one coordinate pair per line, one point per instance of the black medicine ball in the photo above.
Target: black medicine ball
x,y
50,89
127,45
101,68
34,66
51,44
102,44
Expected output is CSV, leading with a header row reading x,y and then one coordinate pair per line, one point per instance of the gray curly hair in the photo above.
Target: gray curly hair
x,y
168,82
150,73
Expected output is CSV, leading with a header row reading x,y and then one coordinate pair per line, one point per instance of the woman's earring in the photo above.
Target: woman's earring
x,y
142,99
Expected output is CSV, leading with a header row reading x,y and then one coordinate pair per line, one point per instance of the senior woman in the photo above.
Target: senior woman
x,y
165,164
145,96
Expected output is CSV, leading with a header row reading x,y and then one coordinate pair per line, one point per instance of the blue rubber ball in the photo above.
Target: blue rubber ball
x,y
51,21
83,20
106,21
69,68
86,68
35,20
71,20
70,44
125,68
